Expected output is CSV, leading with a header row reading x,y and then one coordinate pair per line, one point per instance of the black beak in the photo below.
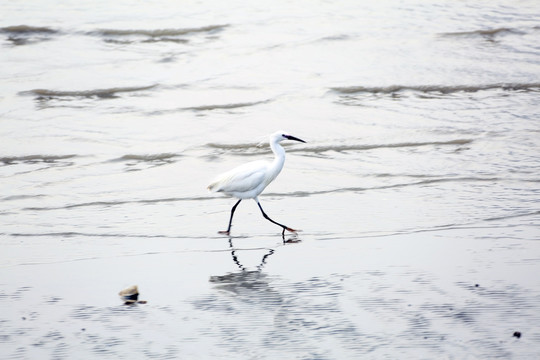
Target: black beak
x,y
293,138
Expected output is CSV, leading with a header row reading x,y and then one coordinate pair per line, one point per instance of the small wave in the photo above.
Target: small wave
x,y
25,34
245,149
223,106
70,234
32,159
159,32
232,146
511,216
475,224
74,233
339,37
22,197
26,29
166,39
489,33
442,89
354,147
99,93
119,202
165,157
257,149
382,187
211,107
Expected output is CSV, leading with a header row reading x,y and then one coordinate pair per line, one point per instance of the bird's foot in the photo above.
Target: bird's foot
x,y
293,238
288,229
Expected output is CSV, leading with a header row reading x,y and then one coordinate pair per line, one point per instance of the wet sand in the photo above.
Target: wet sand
x,y
453,293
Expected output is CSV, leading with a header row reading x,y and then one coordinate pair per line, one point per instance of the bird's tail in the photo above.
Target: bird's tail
x,y
212,187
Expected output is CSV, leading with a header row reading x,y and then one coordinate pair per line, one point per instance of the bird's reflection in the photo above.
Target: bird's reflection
x,y
239,264
245,279
249,284
248,277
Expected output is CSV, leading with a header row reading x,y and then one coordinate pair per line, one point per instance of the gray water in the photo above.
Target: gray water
x,y
417,191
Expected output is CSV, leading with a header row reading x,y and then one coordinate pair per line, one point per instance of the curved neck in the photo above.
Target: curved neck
x,y
279,159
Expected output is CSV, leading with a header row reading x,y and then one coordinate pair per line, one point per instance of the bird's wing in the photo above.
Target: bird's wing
x,y
241,179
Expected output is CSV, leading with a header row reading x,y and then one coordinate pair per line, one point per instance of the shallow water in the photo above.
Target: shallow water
x,y
416,192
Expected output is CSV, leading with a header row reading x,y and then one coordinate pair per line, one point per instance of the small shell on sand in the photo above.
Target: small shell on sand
x,y
130,294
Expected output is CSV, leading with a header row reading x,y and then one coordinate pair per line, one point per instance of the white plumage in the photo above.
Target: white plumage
x,y
243,182
249,180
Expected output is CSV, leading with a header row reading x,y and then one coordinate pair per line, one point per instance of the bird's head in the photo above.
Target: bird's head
x,y
279,136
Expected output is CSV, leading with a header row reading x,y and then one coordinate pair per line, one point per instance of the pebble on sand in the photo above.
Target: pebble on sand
x,y
129,295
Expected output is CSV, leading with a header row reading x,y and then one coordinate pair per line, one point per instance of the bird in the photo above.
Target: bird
x,y
248,181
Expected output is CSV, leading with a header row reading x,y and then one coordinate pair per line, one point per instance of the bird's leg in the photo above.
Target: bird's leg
x,y
268,218
230,220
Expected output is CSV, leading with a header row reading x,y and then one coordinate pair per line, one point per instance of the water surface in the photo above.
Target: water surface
x,y
416,192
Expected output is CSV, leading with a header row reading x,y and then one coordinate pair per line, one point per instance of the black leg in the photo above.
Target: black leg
x,y
230,220
272,221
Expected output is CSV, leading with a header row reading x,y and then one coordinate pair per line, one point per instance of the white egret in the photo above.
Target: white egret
x,y
249,180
